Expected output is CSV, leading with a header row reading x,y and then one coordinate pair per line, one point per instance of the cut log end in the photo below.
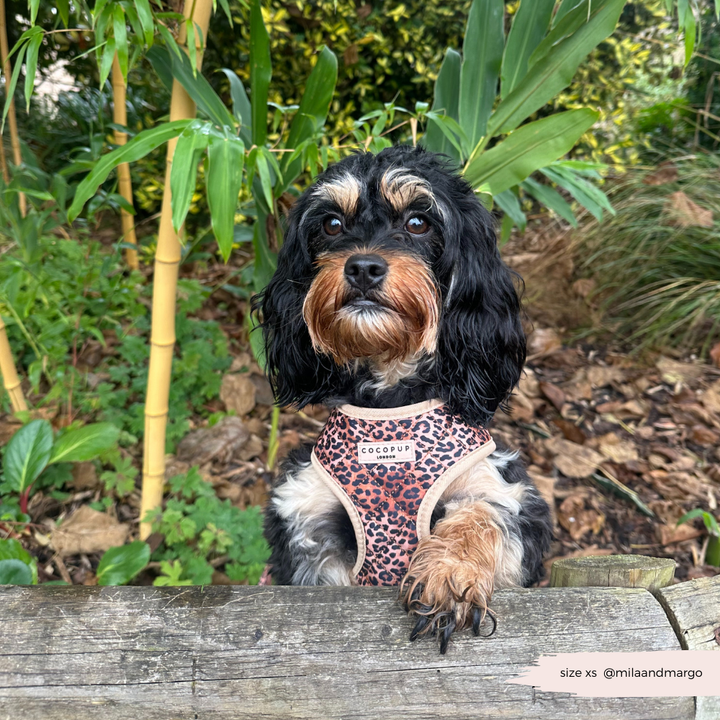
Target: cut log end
x,y
628,571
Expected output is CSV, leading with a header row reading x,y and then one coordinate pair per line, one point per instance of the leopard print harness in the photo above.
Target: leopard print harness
x,y
388,468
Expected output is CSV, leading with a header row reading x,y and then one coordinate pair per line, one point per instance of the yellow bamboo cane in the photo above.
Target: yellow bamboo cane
x,y
124,182
9,374
12,121
167,261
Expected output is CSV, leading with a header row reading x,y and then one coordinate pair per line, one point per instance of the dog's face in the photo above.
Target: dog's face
x,y
390,264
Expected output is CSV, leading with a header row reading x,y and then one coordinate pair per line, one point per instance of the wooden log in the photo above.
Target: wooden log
x,y
290,652
694,611
629,571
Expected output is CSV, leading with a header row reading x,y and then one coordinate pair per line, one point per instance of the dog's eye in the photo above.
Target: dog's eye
x,y
332,225
417,226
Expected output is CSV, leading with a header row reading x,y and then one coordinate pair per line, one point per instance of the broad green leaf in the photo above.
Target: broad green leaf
x,y
146,20
183,174
169,40
565,7
263,172
260,73
85,443
241,105
482,56
121,43
529,148
717,9
31,60
683,9
528,29
97,11
11,549
27,454
107,61
313,110
451,131
34,6
224,180
690,28
555,70
446,102
508,202
226,9
137,148
15,572
551,199
584,192
10,91
119,565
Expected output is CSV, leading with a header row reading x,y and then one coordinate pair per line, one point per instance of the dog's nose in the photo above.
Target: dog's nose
x,y
365,271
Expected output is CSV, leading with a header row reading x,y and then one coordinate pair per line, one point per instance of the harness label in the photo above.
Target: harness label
x,y
371,453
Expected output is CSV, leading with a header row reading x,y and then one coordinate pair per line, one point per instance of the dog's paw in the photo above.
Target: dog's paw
x,y
446,593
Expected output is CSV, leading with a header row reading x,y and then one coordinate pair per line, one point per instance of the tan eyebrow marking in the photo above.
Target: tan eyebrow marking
x,y
401,188
344,191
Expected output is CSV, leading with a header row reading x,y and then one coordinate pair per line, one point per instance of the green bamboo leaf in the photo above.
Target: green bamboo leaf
x,y
107,61
565,7
445,102
10,90
529,148
97,10
528,29
589,196
138,147
260,73
191,46
683,8
263,170
183,174
119,565
482,56
241,105
169,40
34,5
451,132
31,60
717,9
226,8
551,199
509,203
120,33
146,20
555,70
224,180
313,110
85,443
27,454
690,27
63,7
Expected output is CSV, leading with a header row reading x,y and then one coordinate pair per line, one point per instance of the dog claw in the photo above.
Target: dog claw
x,y
420,626
445,634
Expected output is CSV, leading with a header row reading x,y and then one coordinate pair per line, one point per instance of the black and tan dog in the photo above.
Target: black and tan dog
x,y
391,305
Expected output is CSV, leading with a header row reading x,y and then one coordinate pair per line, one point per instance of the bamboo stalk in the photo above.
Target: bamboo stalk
x,y
167,261
12,120
9,373
124,182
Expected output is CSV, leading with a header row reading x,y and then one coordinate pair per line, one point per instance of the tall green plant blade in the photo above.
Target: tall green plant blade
x,y
589,196
313,110
85,443
120,34
260,73
183,174
529,148
528,29
197,87
554,71
508,202
27,454
146,20
551,199
31,60
482,57
690,28
241,105
137,148
107,60
10,90
265,259
224,180
446,101
564,8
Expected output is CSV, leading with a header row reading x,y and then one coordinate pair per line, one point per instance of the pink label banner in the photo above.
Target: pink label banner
x,y
665,673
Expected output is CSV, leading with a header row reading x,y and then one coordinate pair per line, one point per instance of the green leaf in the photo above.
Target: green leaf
x,y
191,46
143,143
445,101
589,196
119,565
183,174
482,57
85,443
528,29
712,554
265,259
313,110
34,6
683,8
551,199
529,148
241,105
107,61
15,572
697,512
27,454
554,72
690,27
120,33
508,202
31,59
10,91
451,131
169,40
224,180
564,9
63,7
263,171
260,73
146,20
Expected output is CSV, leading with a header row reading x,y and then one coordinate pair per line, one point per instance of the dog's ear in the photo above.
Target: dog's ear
x,y
481,345
297,375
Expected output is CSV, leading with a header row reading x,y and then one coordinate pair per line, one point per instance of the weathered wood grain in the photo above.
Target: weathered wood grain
x,y
694,611
630,571
320,653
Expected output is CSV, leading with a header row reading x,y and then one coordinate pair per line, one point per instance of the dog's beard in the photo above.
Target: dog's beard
x,y
399,324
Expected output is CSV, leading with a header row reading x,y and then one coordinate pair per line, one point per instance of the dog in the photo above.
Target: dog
x,y
391,305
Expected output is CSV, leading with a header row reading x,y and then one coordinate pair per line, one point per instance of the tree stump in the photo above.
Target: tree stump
x,y
628,571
